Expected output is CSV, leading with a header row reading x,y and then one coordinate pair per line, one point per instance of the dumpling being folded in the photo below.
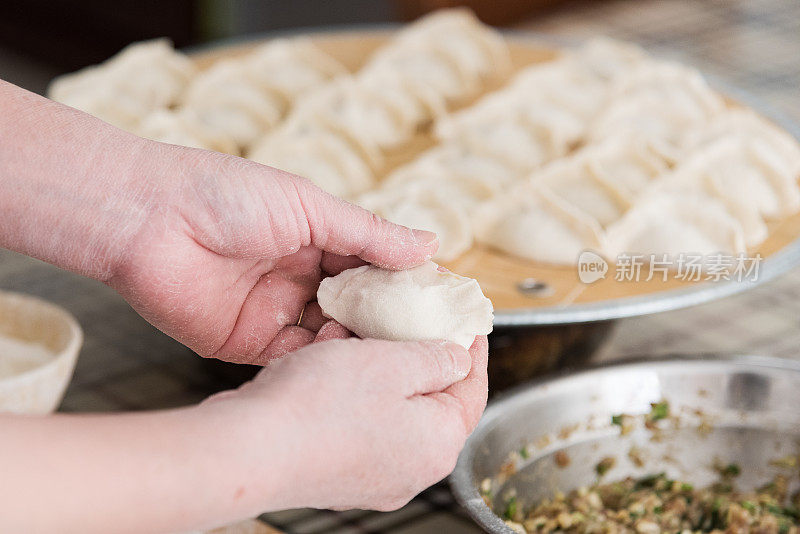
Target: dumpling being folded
x,y
424,303
531,223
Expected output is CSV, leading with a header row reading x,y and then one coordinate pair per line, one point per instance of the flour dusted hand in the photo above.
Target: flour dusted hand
x,y
419,304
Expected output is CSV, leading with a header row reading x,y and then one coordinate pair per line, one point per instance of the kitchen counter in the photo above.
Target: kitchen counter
x,y
126,364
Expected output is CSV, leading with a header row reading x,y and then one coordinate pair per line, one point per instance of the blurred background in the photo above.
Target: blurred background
x,y
42,38
746,42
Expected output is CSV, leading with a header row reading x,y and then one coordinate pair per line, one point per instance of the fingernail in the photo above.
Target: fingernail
x,y
423,237
462,361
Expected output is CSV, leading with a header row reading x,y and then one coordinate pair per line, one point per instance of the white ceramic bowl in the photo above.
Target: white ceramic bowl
x,y
38,390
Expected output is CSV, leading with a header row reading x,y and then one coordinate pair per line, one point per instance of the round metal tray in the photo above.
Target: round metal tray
x,y
750,402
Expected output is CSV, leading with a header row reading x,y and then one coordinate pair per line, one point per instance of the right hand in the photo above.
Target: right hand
x,y
351,423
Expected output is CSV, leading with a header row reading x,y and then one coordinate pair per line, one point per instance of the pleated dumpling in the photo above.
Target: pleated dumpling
x,y
518,133
449,51
572,180
424,207
608,59
361,113
674,224
564,83
705,176
414,103
139,79
183,127
228,99
291,67
748,159
479,51
625,163
424,303
530,222
319,155
660,101
452,164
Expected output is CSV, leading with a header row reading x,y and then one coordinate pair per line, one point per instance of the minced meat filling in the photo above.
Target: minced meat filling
x,y
656,504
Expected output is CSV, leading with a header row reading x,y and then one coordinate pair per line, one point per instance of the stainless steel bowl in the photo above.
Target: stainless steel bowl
x,y
752,404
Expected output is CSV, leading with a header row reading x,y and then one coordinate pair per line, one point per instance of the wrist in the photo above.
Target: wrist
x,y
70,196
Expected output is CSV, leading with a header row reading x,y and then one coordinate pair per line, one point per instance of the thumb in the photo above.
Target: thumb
x,y
429,366
338,227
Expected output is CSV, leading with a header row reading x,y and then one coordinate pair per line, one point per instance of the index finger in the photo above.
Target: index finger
x,y
341,228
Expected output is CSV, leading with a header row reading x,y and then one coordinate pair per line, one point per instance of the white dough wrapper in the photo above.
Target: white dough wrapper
x,y
660,101
420,206
674,224
291,67
228,99
183,127
419,304
532,223
141,78
572,180
319,155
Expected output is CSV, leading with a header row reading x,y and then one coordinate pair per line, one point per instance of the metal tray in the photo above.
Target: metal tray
x,y
750,401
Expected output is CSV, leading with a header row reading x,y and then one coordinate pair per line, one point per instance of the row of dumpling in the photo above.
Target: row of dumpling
x,y
658,145
337,135
714,193
154,91
547,110
542,115
141,78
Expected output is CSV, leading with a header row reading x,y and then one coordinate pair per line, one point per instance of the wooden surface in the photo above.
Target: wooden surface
x,y
499,274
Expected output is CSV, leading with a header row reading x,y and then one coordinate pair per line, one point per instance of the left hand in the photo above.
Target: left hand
x,y
231,252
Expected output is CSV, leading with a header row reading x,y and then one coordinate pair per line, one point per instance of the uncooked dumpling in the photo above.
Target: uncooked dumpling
x,y
183,127
660,101
291,67
572,181
321,156
425,208
675,224
228,99
531,223
419,304
141,78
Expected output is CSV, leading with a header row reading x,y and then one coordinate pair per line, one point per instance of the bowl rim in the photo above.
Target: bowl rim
x,y
460,480
70,349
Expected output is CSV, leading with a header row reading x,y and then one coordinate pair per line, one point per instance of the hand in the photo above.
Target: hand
x,y
233,251
219,252
356,423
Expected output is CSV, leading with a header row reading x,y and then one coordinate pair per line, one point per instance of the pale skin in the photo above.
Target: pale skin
x,y
223,255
